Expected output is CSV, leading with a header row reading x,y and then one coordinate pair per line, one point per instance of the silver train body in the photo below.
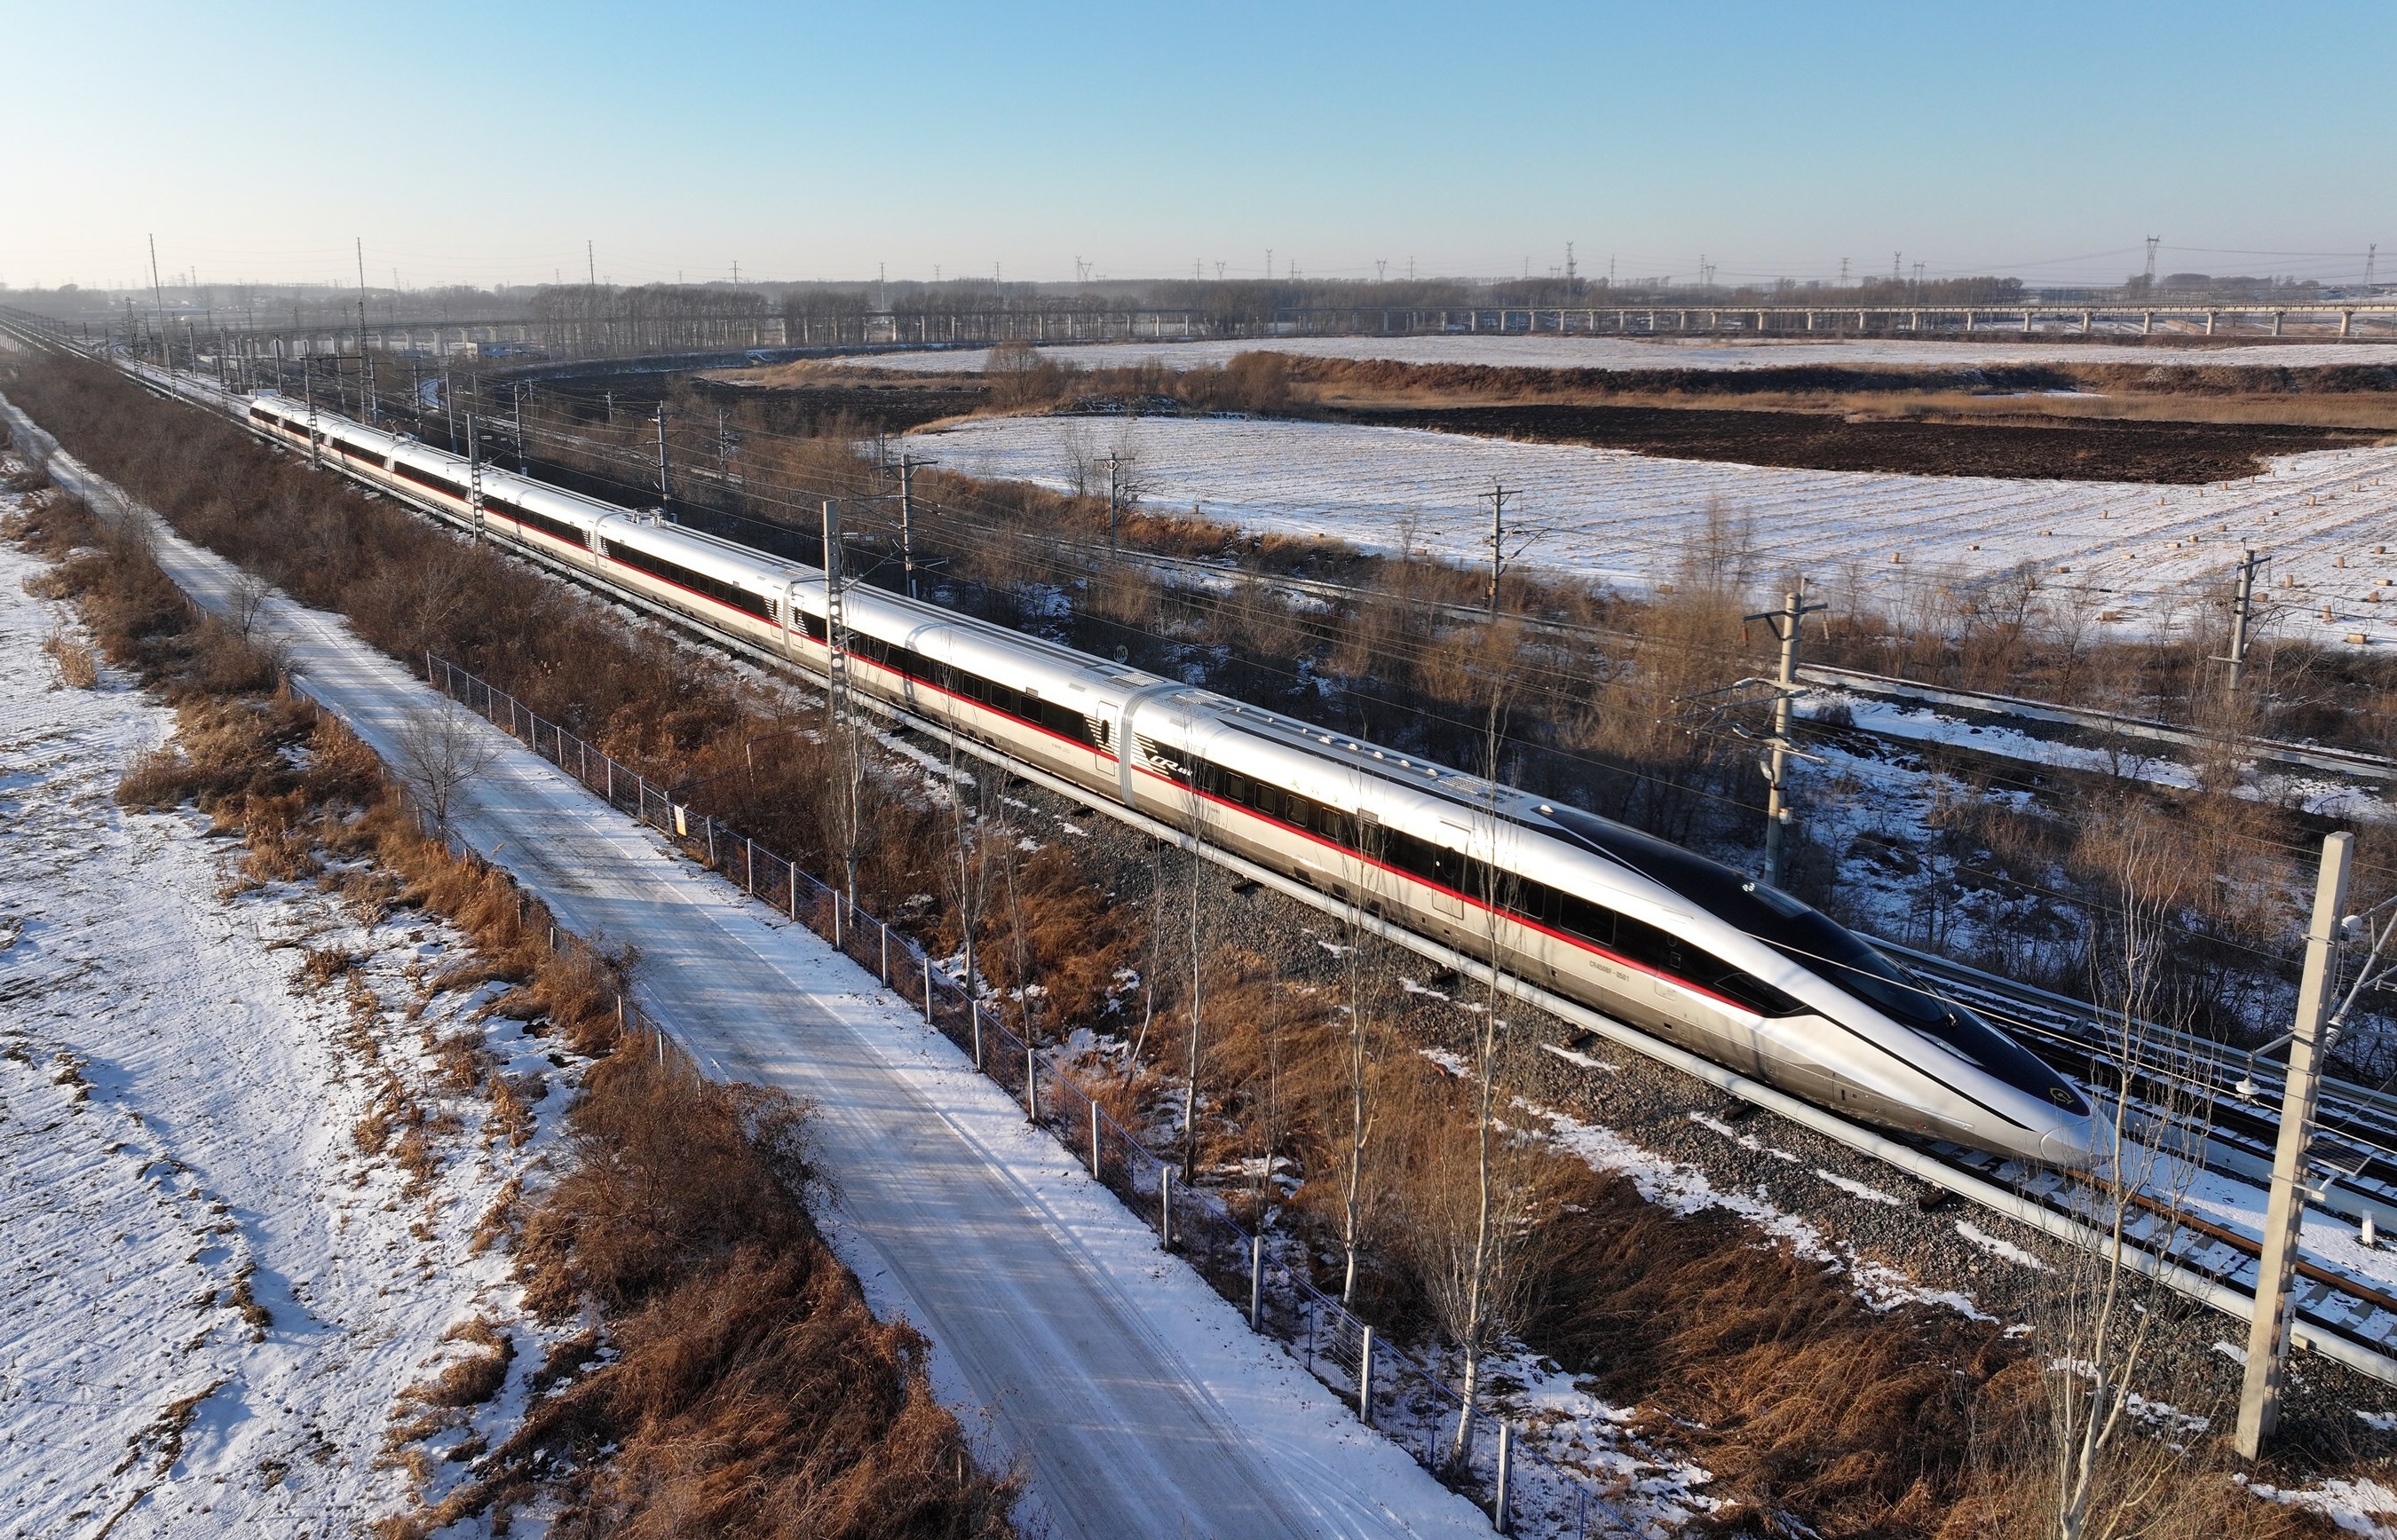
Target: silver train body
x,y
1642,931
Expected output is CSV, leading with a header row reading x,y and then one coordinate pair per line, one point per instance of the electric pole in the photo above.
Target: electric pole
x,y
1497,496
1785,622
665,487
474,473
907,465
515,403
2268,1335
158,292
1115,497
366,363
2243,616
308,384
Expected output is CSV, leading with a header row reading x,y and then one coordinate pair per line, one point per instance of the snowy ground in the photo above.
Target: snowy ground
x,y
2129,758
2126,554
213,1301
1630,353
1138,1401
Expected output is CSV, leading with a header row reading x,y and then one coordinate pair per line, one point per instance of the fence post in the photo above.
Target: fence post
x,y
795,888
1096,1174
973,1008
1499,1519
1031,1083
749,866
836,919
886,950
610,760
1365,1376
710,821
1165,1206
1256,1280
927,985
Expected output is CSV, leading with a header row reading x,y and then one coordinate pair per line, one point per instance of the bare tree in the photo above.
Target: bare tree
x,y
2104,1315
1360,969
247,602
1195,1003
966,874
440,750
1485,1272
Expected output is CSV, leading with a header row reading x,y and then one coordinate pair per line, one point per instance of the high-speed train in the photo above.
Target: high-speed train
x,y
1643,931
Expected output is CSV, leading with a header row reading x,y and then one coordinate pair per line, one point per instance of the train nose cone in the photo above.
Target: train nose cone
x,y
2078,1143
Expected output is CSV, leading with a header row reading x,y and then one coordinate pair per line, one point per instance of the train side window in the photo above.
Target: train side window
x,y
1757,994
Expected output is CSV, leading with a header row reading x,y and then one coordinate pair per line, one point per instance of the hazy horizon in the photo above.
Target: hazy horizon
x,y
1059,140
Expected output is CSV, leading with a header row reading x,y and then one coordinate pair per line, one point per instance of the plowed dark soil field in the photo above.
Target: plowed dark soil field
x,y
2086,451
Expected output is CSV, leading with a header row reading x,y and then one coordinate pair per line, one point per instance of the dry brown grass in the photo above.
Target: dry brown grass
x,y
755,1394
78,665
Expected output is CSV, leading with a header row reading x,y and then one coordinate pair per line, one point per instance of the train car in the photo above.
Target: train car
x,y
1643,931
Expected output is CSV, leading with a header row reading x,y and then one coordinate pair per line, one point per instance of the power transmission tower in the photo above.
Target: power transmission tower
x,y
2243,616
1843,273
2149,286
1786,622
2371,260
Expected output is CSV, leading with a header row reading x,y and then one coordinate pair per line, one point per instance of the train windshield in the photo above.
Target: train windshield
x,y
1822,945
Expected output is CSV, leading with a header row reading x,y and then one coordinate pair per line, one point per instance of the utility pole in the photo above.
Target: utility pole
x,y
308,388
2268,1334
665,487
1497,496
2243,616
1786,621
835,628
907,465
365,362
158,294
515,402
474,473
1114,496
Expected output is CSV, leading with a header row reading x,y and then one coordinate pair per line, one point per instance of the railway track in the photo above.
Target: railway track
x,y
2350,1319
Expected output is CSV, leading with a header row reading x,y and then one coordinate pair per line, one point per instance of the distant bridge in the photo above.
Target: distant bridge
x,y
2356,320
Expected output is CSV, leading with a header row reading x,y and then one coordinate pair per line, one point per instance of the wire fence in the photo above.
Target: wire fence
x,y
1386,1386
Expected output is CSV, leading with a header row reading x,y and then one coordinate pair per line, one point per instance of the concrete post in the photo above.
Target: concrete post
x,y
1031,1085
1096,1173
2268,1335
1365,1377
1165,1206
1257,1268
928,989
1500,1519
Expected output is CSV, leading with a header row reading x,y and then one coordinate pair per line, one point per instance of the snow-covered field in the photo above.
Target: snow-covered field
x,y
2127,555
213,1300
1551,351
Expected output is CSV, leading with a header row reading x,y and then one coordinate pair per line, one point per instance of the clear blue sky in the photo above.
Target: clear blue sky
x,y
482,144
